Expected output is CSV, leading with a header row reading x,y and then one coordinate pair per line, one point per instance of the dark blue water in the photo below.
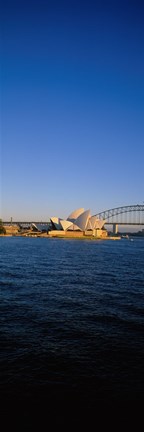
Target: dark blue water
x,y
71,326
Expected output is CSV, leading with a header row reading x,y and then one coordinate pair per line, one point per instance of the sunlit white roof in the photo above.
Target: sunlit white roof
x,y
89,226
93,221
78,220
82,220
100,223
74,227
65,224
75,214
56,222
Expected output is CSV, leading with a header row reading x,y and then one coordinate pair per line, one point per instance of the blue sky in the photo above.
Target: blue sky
x,y
72,106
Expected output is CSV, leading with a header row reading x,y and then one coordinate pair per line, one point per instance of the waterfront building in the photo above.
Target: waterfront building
x,y
78,223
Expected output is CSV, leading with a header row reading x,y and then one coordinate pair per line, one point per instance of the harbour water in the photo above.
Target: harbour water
x,y
71,327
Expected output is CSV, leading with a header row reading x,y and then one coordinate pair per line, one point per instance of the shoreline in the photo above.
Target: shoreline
x,y
61,237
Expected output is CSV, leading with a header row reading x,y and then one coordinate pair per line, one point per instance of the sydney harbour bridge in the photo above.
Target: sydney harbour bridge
x,y
125,215
131,215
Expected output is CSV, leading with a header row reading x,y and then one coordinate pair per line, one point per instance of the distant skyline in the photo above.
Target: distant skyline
x,y
72,107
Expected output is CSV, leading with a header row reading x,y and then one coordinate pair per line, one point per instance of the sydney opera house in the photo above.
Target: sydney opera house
x,y
79,223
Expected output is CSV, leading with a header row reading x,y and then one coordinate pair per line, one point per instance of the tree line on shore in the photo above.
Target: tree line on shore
x,y
2,228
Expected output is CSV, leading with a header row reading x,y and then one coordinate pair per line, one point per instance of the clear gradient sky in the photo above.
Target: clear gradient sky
x,y
72,106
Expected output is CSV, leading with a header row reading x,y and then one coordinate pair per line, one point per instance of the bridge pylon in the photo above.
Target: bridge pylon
x,y
115,228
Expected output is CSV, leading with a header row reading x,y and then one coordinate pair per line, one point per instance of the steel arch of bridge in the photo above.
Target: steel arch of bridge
x,y
108,214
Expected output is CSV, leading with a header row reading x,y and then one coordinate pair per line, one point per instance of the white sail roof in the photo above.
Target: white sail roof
x,y
82,220
65,224
78,220
93,221
100,223
75,214
74,227
89,226
56,222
